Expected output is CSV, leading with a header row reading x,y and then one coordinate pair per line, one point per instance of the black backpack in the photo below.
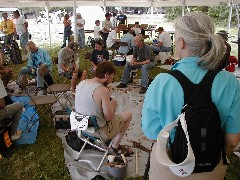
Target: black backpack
x,y
203,125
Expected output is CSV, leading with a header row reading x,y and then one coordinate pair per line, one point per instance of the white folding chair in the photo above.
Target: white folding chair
x,y
86,125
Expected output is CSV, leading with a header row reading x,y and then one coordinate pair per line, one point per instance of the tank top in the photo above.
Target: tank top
x,y
85,104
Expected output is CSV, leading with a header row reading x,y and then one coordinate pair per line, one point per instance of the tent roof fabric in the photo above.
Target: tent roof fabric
x,y
107,3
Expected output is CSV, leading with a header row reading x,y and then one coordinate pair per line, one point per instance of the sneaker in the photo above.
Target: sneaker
x,y
142,90
17,135
237,152
9,90
121,85
24,58
40,92
130,80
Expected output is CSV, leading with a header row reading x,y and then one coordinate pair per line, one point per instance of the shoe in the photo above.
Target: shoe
x,y
121,85
17,135
130,80
41,92
122,149
237,152
9,90
24,58
142,90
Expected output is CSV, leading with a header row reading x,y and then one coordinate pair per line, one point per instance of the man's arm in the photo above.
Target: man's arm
x,y
47,58
232,141
2,103
108,107
26,25
159,44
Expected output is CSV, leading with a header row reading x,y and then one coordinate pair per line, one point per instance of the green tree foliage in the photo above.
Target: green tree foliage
x,y
219,14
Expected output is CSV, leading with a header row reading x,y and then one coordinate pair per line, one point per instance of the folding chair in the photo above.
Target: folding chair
x,y
38,101
86,125
56,89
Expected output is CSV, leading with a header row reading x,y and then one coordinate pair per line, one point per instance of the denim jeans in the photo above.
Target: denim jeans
x,y
23,40
28,70
144,69
81,40
161,48
66,37
13,111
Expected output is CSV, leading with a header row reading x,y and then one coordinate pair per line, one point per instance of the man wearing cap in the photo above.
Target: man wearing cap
x,y
67,66
80,27
106,28
225,62
164,43
99,54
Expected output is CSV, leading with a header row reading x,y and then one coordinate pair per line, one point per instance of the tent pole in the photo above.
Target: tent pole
x,y
49,24
229,15
75,23
183,7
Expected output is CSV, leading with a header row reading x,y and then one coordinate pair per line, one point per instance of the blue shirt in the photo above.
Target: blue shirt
x,y
40,57
165,98
129,38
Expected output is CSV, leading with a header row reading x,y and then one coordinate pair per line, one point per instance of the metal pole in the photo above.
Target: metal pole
x,y
49,24
183,7
229,15
75,23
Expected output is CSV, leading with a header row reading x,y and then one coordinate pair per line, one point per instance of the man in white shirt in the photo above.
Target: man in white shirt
x,y
112,37
12,110
80,27
21,30
113,20
164,41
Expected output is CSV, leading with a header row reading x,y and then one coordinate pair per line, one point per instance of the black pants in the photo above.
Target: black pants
x,y
104,37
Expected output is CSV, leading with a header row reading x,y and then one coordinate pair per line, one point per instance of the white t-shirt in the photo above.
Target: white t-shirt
x,y
111,36
113,21
136,30
165,38
20,26
3,91
96,32
106,24
82,21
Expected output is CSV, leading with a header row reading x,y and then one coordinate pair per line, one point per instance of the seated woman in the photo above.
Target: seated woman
x,y
67,66
36,58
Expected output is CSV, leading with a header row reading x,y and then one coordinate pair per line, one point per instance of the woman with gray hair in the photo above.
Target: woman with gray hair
x,y
199,51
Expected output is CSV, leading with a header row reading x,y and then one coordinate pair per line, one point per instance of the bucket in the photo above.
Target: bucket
x,y
117,173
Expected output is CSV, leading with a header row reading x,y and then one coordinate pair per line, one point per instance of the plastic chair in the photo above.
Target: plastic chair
x,y
38,101
86,125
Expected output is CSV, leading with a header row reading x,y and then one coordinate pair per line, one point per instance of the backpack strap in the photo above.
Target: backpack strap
x,y
186,84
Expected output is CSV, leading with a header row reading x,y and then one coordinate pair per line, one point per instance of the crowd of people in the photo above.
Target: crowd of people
x,y
199,50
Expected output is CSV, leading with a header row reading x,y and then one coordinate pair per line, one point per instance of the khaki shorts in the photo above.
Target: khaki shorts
x,y
112,128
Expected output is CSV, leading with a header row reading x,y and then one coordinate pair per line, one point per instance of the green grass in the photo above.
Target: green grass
x,y
44,160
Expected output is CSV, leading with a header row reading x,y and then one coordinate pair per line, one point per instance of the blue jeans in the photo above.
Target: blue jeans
x,y
28,70
144,69
81,38
161,48
23,40
66,37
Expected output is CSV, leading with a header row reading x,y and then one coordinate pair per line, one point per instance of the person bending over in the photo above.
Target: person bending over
x,y
67,66
93,98
37,57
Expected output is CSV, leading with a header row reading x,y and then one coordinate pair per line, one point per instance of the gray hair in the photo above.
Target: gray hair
x,y
197,30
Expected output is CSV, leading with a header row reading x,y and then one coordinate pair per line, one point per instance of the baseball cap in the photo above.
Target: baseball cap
x,y
184,168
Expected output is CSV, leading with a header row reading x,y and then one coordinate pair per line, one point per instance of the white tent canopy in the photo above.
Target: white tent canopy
x,y
107,3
